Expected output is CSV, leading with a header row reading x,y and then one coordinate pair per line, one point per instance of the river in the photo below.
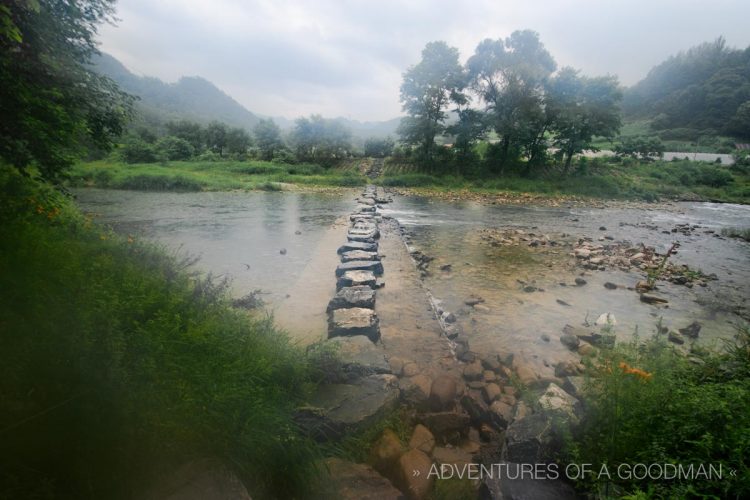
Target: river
x,y
284,243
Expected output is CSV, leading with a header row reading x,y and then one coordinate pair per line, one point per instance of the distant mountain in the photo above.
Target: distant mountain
x,y
190,98
196,99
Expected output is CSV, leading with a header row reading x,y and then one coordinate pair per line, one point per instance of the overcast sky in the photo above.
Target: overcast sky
x,y
346,57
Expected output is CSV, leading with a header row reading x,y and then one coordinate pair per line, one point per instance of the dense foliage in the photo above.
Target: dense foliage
x,y
53,106
117,364
703,91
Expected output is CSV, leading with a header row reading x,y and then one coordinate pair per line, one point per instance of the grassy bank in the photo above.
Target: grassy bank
x,y
647,403
117,364
209,175
596,178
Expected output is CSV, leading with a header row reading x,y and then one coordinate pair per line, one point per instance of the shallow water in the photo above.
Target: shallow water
x,y
515,320
240,235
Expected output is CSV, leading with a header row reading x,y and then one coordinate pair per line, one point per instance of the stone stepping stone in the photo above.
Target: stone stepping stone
x,y
359,355
353,296
354,321
356,278
374,266
359,255
365,209
357,245
363,235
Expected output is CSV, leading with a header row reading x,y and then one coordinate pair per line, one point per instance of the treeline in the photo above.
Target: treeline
x,y
313,139
703,91
508,95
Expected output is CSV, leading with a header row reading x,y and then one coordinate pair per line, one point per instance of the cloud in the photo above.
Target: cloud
x,y
346,57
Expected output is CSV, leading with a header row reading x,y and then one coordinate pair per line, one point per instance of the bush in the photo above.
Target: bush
x,y
174,148
136,150
647,403
156,182
409,180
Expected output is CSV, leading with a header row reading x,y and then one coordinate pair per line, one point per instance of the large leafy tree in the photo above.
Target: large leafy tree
x,y
579,108
427,90
267,138
320,140
53,106
509,76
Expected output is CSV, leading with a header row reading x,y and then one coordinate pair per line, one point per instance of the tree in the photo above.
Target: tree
x,y
267,138
644,148
509,77
379,147
469,129
51,102
174,148
320,140
216,137
580,108
238,141
426,91
189,131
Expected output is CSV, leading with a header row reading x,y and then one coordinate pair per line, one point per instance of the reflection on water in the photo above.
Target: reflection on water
x,y
238,235
515,320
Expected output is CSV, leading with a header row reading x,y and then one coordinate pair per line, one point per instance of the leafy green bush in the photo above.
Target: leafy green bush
x,y
136,150
174,148
409,180
647,403
116,365
157,182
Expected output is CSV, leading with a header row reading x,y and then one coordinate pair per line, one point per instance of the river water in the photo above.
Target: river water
x,y
284,243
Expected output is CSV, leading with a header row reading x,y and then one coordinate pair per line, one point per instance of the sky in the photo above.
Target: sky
x,y
346,57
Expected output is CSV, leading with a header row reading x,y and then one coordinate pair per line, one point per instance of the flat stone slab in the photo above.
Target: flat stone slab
x,y
337,408
365,209
366,217
356,278
359,255
363,234
357,245
354,321
359,355
353,296
374,266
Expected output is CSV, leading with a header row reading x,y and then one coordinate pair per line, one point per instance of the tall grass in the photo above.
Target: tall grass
x,y
117,364
208,175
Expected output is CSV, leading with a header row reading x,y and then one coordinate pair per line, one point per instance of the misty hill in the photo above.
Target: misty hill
x,y
191,98
703,90
197,99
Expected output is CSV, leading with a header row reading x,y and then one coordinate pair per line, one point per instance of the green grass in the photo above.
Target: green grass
x,y
209,176
117,364
598,178
679,140
647,403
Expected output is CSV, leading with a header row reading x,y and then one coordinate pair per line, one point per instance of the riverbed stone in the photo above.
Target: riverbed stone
x,y
206,478
570,341
511,483
652,299
692,330
415,391
374,266
491,392
414,474
422,439
443,392
501,414
473,371
530,440
357,245
359,355
556,400
356,278
354,321
447,426
359,255
349,481
385,453
335,409
453,456
353,296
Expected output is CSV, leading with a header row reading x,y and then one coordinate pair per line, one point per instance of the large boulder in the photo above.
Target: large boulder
x,y
350,481
530,440
415,390
443,392
335,409
556,400
446,426
206,478
374,266
385,453
353,296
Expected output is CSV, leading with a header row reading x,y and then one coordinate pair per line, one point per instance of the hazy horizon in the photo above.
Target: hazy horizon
x,y
346,58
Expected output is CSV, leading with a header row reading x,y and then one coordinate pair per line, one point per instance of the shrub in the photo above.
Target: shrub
x,y
156,182
173,148
136,150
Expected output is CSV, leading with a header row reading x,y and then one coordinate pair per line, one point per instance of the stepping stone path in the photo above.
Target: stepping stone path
x,y
352,311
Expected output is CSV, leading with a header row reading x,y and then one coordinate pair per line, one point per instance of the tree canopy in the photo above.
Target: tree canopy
x,y
53,105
